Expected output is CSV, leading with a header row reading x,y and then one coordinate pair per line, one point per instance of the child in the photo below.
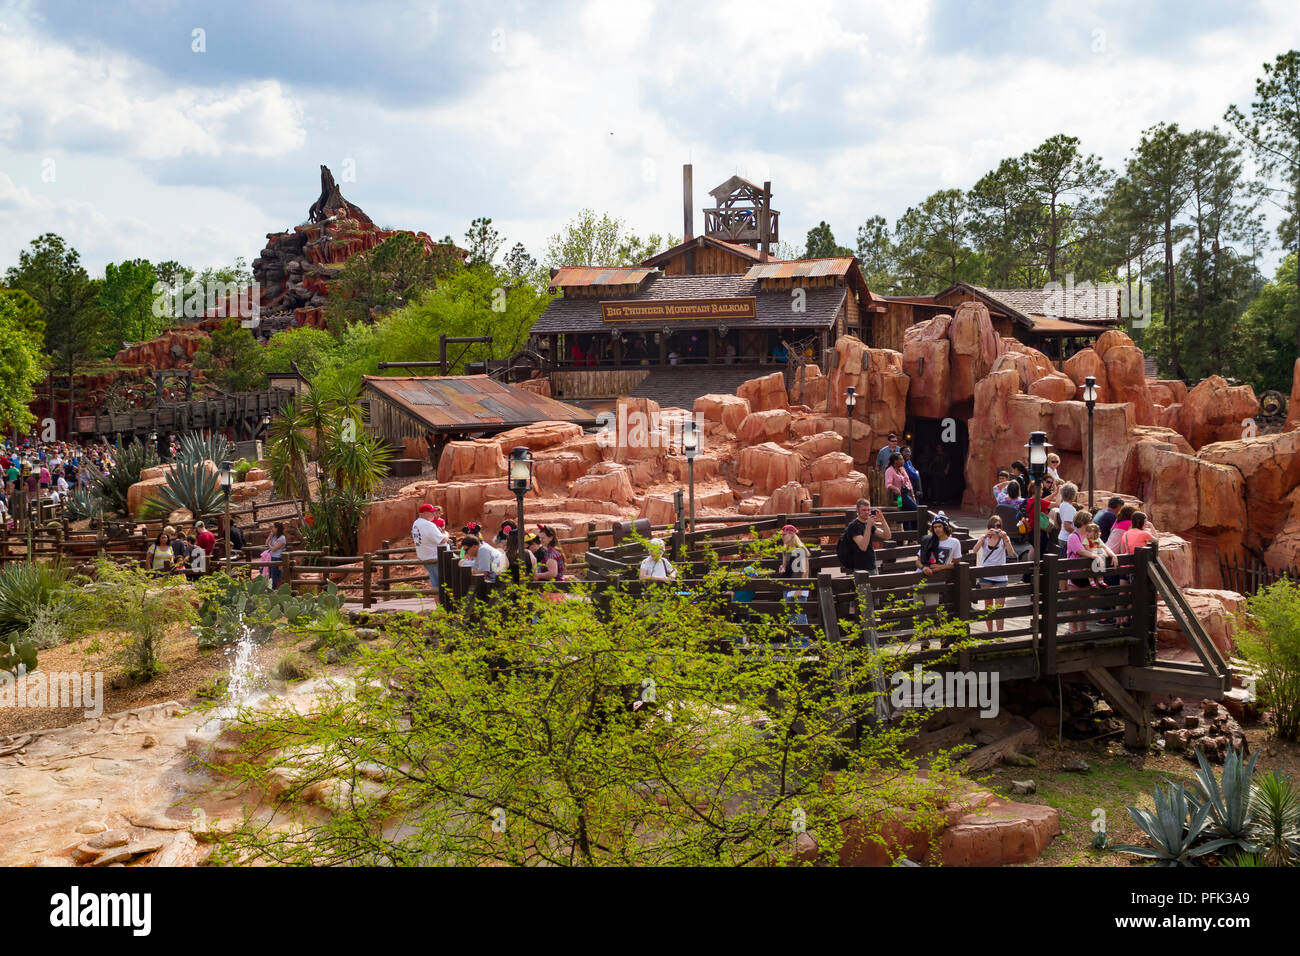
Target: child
x,y
1096,549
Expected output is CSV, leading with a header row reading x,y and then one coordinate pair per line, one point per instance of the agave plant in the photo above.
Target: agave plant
x,y
198,447
1277,819
1229,801
114,484
1174,828
193,487
81,503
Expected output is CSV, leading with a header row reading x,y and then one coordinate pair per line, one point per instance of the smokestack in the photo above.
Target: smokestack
x,y
688,213
764,239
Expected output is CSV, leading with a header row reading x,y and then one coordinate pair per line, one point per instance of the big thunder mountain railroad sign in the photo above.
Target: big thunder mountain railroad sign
x,y
641,310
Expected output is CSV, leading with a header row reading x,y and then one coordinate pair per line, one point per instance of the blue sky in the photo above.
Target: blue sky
x,y
129,136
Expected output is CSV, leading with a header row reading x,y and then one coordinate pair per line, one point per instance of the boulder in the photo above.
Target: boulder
x,y
1126,377
472,459
834,464
821,443
1270,466
809,386
1083,363
1054,388
1293,411
768,466
606,482
765,393
729,410
540,435
842,492
1213,608
1216,411
758,427
791,498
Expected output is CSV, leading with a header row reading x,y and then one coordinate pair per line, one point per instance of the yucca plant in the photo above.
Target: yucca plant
x,y
288,450
113,485
1229,801
1277,819
1174,829
198,447
193,487
355,459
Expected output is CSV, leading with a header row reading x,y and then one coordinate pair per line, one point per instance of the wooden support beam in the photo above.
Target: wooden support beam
x,y
1135,709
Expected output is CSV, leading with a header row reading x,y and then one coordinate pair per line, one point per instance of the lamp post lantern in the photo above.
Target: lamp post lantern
x,y
1037,456
1090,399
520,481
850,399
226,477
690,448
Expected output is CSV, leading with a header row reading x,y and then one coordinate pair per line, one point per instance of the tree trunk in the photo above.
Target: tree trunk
x,y
1169,299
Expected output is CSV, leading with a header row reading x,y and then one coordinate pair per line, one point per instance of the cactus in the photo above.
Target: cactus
x,y
15,655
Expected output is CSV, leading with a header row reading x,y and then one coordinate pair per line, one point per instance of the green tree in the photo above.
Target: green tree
x,y
1158,186
389,276
310,349
1273,131
21,366
483,242
821,243
586,733
127,296
1066,188
1266,355
50,271
933,242
877,256
1002,218
231,358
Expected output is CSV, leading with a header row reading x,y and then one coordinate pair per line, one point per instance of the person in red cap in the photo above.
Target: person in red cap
x,y
428,537
794,559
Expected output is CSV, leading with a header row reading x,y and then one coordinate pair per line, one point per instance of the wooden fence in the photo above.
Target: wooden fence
x,y
1250,578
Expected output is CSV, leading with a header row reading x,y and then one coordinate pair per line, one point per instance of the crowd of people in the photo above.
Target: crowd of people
x,y
45,471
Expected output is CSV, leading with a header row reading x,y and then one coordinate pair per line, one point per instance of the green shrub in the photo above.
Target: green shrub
x,y
191,486
242,468
128,601
231,607
26,589
198,447
80,504
292,666
128,462
1270,639
1230,800
1277,819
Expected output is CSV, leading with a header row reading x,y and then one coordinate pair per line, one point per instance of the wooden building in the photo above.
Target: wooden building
x,y
718,300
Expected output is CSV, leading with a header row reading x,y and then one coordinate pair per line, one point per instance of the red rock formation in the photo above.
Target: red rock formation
x,y
1216,411
881,385
946,356
1293,410
766,393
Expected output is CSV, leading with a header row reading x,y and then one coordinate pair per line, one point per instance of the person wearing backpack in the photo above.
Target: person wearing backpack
x,y
856,547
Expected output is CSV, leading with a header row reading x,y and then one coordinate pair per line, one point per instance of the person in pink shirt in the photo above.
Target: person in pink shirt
x,y
898,486
1138,536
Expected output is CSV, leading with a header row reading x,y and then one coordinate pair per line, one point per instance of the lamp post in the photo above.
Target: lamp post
x,y
690,448
850,399
226,477
1037,456
520,481
1090,399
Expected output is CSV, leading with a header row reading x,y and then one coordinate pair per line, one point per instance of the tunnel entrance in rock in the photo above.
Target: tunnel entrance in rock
x,y
939,450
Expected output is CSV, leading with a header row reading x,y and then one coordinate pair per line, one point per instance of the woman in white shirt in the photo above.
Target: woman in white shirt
x,y
656,567
993,550
1069,491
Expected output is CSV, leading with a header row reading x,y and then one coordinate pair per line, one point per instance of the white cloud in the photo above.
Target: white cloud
x,y
112,103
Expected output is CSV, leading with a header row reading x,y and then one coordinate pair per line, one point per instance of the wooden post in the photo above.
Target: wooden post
x,y
867,627
383,572
1051,601
591,535
1143,607
366,568
286,565
826,607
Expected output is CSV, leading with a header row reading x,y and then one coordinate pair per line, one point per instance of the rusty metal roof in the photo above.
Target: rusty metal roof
x,y
798,268
471,403
571,276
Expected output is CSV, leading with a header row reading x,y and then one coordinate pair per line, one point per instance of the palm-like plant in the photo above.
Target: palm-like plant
x,y
355,459
1229,801
191,486
1277,819
114,483
80,503
288,450
198,447
1174,828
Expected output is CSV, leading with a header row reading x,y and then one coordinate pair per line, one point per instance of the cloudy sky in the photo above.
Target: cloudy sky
x,y
188,131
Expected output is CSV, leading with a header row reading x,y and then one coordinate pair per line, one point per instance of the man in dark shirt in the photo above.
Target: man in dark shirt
x,y
1106,519
866,531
